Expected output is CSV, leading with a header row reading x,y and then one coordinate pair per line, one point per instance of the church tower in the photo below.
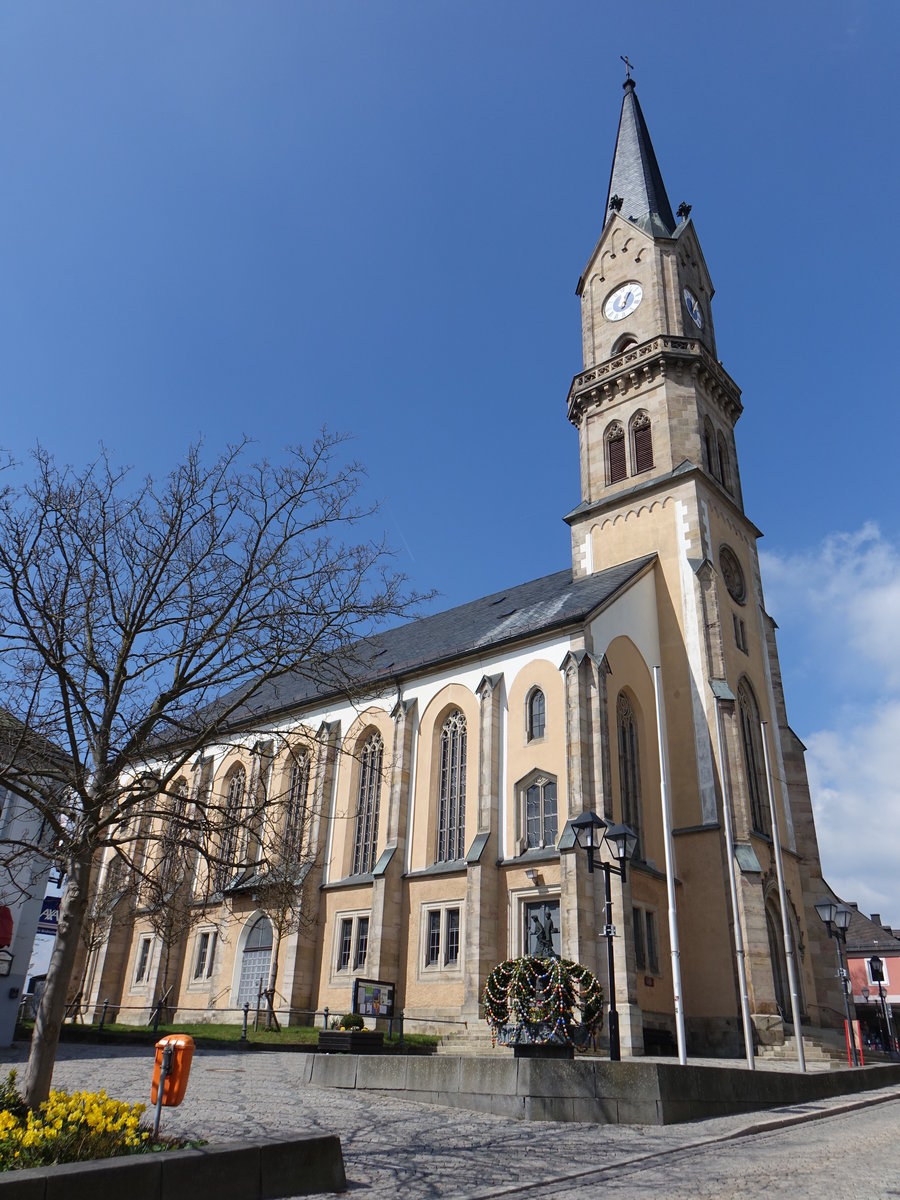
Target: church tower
x,y
656,413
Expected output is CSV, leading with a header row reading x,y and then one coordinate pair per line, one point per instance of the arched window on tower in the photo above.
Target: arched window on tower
x,y
625,342
724,470
616,467
641,443
540,817
451,831
535,715
367,797
753,758
629,767
709,447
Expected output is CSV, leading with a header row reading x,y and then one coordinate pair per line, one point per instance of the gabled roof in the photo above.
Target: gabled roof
x,y
636,177
474,629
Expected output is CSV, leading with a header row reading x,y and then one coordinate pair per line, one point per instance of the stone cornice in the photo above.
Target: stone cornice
x,y
647,364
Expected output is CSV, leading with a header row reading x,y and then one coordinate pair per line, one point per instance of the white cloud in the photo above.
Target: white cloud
x,y
838,607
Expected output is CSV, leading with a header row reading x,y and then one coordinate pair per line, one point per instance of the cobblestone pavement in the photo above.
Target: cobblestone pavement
x,y
406,1151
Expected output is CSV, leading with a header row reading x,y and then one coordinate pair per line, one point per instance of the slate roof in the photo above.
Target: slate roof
x,y
866,935
481,626
636,176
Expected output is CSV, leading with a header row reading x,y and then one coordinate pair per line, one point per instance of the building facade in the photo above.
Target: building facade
x,y
433,819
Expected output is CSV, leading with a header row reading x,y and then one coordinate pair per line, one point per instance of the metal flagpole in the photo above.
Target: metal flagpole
x,y
782,899
670,864
725,776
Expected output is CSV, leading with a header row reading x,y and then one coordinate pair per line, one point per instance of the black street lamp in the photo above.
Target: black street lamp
x,y
837,919
591,832
876,972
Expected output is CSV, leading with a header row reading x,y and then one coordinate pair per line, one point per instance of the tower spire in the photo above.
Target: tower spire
x,y
636,188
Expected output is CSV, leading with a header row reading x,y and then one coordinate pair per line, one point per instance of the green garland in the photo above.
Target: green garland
x,y
552,991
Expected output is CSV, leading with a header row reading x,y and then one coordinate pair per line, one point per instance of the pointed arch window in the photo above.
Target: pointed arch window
x,y
724,470
616,466
642,443
541,821
629,767
367,800
753,759
232,823
295,816
451,832
535,715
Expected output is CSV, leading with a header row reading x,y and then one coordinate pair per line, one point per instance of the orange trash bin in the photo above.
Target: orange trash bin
x,y
176,1081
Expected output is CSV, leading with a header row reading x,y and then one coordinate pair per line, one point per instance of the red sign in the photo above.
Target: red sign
x,y
6,926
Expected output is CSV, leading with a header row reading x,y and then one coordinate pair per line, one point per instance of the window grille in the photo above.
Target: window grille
x,y
540,813
451,953
346,941
362,942
295,817
231,828
433,949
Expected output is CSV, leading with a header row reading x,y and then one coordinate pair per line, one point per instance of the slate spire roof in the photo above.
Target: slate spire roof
x,y
636,177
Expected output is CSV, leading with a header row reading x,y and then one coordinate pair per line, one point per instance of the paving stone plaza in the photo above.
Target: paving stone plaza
x,y
845,1147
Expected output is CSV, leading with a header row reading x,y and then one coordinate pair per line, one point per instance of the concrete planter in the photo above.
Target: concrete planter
x,y
258,1170
350,1041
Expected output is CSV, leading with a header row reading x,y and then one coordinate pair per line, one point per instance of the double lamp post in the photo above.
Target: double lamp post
x,y
591,832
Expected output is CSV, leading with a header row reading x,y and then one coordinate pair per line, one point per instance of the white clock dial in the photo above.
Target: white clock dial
x,y
623,301
692,304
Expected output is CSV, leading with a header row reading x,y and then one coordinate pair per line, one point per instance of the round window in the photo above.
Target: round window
x,y
733,575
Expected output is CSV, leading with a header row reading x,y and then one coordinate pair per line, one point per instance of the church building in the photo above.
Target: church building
x,y
436,816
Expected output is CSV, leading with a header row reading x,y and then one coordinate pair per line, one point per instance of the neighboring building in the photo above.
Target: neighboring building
x,y
437,814
868,938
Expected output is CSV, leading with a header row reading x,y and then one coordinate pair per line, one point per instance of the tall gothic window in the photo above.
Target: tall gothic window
x,y
753,758
451,832
642,443
367,804
535,714
629,767
295,816
709,446
616,467
724,468
232,822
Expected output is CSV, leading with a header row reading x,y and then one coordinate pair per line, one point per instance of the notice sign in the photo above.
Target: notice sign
x,y
48,922
373,998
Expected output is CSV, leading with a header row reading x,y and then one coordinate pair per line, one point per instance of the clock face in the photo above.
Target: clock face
x,y
623,301
692,304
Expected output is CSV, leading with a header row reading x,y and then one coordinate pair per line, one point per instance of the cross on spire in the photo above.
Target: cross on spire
x,y
628,65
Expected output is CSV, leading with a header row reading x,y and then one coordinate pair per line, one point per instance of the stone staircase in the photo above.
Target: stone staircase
x,y
472,1042
821,1049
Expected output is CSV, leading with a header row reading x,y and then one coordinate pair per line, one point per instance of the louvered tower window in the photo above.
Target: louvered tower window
x,y
643,443
615,453
367,805
451,831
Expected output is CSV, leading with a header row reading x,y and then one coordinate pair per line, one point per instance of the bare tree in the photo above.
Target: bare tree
x,y
142,622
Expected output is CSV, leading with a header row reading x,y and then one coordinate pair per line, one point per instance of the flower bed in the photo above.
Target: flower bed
x,y
68,1128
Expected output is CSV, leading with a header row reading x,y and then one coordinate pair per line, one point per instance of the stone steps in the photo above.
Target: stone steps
x,y
473,1042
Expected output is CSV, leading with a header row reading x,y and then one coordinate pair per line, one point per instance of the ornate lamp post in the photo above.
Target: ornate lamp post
x,y
837,919
876,971
591,832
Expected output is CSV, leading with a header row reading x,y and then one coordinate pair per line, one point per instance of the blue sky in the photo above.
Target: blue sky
x,y
222,218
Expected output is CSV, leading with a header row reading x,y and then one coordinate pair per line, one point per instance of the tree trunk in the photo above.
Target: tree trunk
x,y
52,1009
273,975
